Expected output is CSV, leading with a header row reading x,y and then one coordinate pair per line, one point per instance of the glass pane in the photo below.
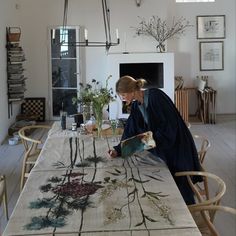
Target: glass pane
x,y
62,100
64,73
59,50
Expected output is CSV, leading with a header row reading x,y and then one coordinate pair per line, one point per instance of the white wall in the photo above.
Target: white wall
x,y
188,52
37,15
8,17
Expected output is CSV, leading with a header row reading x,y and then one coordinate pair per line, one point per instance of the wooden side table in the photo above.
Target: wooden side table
x,y
207,105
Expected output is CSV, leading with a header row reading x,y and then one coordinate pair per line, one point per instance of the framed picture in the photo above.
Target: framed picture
x,y
211,55
211,27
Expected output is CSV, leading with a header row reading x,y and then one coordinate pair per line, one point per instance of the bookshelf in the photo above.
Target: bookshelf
x,y
15,68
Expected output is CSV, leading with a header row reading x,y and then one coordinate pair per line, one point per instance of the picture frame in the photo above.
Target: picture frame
x,y
211,27
211,55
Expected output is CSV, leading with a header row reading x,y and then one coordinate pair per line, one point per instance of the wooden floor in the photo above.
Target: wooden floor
x,y
220,160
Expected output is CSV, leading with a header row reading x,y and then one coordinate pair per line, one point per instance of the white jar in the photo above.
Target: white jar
x,y
12,141
74,127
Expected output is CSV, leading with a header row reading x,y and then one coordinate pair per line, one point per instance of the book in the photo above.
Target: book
x,y
138,143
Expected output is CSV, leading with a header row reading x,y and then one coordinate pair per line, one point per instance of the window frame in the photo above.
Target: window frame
x,y
78,57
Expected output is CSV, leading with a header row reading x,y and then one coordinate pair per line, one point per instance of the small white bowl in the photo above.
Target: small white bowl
x,y
12,141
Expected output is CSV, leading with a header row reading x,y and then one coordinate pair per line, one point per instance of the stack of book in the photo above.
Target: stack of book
x,y
16,79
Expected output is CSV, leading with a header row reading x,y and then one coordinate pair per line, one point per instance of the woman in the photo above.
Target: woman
x,y
152,110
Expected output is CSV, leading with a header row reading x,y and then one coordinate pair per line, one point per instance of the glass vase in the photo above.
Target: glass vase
x,y
86,111
161,47
98,113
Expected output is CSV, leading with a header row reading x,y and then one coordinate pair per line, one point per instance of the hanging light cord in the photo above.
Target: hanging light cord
x,y
65,14
64,20
106,19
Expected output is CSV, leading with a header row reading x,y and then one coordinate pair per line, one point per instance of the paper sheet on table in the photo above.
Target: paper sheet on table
x,y
138,143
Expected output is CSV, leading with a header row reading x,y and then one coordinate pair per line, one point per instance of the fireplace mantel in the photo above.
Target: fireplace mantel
x,y
114,61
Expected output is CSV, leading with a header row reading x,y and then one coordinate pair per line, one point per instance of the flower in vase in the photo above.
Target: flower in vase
x,y
94,93
97,95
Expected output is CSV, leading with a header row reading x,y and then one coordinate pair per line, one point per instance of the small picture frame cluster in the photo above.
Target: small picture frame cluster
x,y
211,52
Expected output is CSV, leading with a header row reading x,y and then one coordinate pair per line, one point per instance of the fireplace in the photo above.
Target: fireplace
x,y
151,72
156,68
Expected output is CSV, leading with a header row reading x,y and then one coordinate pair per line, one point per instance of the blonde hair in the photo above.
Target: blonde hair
x,y
127,84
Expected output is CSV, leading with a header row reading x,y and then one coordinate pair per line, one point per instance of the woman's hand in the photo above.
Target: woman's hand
x,y
113,153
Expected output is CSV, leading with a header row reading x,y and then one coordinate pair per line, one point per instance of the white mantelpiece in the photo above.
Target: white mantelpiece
x,y
114,61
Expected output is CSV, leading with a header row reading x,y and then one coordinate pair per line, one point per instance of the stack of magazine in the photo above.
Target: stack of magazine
x,y
16,78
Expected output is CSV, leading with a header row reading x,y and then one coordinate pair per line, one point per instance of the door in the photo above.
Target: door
x,y
65,70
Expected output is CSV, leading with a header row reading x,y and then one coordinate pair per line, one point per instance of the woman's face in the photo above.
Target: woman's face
x,y
127,97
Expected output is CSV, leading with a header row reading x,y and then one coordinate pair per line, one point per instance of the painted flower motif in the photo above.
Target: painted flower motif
x,y
76,189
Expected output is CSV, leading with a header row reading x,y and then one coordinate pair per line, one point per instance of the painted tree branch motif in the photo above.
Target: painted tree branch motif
x,y
155,198
80,189
70,192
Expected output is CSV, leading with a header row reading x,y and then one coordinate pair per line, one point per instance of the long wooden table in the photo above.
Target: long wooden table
x,y
75,189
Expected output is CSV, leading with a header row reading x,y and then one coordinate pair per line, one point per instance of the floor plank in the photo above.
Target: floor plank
x,y
221,160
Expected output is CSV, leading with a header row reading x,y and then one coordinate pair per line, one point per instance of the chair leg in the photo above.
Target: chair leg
x,y
3,197
22,180
24,174
5,201
205,181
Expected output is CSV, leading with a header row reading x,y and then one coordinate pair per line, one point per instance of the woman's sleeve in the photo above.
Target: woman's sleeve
x,y
132,126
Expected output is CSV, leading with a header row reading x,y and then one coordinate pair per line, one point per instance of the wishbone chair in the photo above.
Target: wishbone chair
x,y
202,144
31,137
206,226
220,189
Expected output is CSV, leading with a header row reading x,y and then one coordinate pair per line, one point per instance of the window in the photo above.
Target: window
x,y
195,0
64,77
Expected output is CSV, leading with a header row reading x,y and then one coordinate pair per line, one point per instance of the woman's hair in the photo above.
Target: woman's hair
x,y
127,84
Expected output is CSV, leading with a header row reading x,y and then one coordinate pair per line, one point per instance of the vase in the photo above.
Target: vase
x,y
161,47
98,113
86,109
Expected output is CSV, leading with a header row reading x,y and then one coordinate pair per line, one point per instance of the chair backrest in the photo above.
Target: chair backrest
x,y
202,145
211,210
31,140
219,187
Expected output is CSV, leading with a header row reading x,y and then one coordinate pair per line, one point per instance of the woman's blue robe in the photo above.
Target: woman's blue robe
x,y
174,142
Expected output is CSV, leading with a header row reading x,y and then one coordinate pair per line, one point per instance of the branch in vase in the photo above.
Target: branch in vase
x,y
159,29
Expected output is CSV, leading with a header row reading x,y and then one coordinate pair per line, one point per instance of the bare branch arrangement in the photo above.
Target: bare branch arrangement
x,y
159,29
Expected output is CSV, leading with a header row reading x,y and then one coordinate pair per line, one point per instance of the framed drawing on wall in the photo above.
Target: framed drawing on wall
x,y
211,55
211,27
